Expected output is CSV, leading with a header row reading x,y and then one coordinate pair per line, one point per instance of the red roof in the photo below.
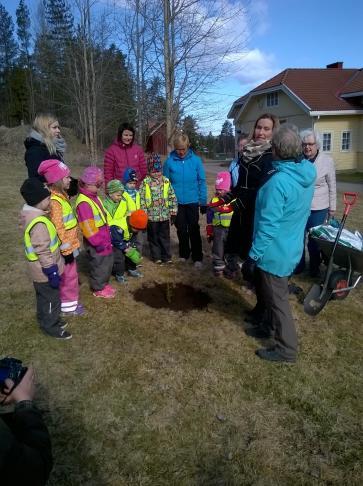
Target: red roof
x,y
319,89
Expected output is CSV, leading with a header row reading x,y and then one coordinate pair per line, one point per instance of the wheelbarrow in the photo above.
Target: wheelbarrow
x,y
337,282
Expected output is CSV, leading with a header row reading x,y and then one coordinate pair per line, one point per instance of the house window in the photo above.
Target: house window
x,y
326,142
346,141
272,99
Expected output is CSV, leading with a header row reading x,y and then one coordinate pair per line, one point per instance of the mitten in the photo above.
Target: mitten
x,y
248,269
203,209
209,229
68,259
227,208
134,255
53,276
172,219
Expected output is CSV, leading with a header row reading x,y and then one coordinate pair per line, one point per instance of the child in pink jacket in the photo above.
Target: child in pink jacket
x,y
92,221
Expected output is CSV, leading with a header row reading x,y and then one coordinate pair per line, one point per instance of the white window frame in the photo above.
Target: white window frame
x,y
331,142
349,148
272,99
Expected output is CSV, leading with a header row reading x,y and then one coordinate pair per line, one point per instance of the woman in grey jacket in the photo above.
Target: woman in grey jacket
x,y
323,205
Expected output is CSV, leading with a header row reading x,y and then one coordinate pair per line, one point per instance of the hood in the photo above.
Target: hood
x,y
28,213
175,156
32,142
302,172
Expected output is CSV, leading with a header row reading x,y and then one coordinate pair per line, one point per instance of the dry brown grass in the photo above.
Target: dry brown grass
x,y
146,397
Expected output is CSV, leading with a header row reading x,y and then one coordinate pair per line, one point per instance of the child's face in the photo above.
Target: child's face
x,y
44,205
66,182
94,188
116,196
131,185
221,192
134,230
156,174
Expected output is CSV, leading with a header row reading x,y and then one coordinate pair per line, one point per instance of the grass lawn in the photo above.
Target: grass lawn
x,y
153,397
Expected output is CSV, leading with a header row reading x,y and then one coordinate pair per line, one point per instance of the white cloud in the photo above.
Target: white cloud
x,y
253,67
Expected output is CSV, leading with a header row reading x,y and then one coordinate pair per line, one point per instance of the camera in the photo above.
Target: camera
x,y
12,369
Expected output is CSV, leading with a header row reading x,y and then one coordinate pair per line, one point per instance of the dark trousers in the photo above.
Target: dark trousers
x,y
316,218
121,262
188,231
48,307
100,267
239,238
273,296
158,235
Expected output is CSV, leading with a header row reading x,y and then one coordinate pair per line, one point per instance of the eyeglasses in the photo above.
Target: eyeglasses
x,y
309,144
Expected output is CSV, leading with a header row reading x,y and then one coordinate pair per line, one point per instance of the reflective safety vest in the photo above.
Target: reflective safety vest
x,y
54,240
221,219
148,200
68,216
131,204
119,216
98,216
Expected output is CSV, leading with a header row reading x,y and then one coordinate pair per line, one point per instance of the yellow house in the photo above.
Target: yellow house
x,y
329,100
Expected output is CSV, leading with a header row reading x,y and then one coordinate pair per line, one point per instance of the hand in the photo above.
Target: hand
x,y
99,248
172,219
331,214
248,269
203,209
24,391
227,208
53,276
209,230
217,203
68,259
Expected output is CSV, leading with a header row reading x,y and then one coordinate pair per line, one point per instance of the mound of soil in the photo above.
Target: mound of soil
x,y
176,297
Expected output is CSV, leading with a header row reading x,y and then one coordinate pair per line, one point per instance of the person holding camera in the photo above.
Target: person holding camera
x,y
25,446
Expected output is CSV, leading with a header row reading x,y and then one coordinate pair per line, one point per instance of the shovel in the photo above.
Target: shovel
x,y
319,294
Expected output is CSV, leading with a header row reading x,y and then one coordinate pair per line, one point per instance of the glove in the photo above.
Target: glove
x,y
227,208
209,229
99,248
217,203
134,255
248,269
172,219
203,209
53,276
68,259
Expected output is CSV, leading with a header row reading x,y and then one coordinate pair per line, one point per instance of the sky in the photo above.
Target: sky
x,y
281,34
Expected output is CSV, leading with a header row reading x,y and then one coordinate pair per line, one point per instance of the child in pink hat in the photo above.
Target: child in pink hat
x,y
218,221
92,218
57,176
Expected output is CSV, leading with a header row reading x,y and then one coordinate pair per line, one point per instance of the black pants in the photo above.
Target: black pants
x,y
121,262
48,307
188,231
239,239
158,235
273,296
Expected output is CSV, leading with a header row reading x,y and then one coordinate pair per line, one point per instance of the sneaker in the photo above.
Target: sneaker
x,y
272,354
135,273
158,262
60,334
110,289
198,265
63,324
78,312
182,260
121,279
169,262
105,293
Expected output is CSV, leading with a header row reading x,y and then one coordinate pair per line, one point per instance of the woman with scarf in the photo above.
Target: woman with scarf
x,y
255,166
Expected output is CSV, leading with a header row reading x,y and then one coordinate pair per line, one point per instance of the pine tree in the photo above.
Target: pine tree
x,y
24,35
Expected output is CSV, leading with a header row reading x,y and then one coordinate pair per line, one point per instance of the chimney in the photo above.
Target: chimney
x,y
335,65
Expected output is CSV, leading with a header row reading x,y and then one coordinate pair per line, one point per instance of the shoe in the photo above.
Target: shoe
x,y
158,262
111,289
105,293
121,279
259,333
135,273
198,265
168,262
63,324
77,312
273,355
182,260
60,334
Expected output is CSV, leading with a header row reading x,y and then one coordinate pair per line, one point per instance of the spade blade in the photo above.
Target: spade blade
x,y
315,300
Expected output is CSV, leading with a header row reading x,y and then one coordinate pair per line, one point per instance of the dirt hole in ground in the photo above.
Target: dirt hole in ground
x,y
176,297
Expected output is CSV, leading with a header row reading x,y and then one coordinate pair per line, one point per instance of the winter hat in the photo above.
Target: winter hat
x,y
34,191
138,219
154,163
53,170
129,175
92,175
223,181
114,186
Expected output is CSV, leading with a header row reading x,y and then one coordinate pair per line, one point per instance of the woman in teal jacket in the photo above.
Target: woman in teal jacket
x,y
186,173
282,209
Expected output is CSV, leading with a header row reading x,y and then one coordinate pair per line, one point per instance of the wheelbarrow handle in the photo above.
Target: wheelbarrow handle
x,y
350,199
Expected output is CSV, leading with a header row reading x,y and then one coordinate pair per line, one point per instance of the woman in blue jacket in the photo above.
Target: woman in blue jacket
x,y
186,173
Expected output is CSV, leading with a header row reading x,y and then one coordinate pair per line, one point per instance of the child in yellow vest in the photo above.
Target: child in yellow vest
x,y
57,176
218,221
45,261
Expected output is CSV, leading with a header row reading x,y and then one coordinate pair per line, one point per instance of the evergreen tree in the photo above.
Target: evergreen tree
x,y
226,138
23,32
190,128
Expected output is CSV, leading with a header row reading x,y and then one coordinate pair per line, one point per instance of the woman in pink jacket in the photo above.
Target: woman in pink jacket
x,y
123,153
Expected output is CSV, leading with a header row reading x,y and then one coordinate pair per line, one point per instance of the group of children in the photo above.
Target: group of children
x,y
110,229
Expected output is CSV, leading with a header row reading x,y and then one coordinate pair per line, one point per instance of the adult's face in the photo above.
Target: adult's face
x,y
263,130
181,150
241,144
54,129
309,147
126,137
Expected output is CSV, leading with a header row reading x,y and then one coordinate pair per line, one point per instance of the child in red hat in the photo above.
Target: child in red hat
x,y
57,176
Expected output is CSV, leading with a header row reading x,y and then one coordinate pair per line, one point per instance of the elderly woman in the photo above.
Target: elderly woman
x,y
254,167
323,205
186,173
282,209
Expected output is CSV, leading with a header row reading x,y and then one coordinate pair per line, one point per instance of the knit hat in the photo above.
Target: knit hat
x,y
114,186
154,163
34,191
138,219
129,175
53,170
92,175
223,181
